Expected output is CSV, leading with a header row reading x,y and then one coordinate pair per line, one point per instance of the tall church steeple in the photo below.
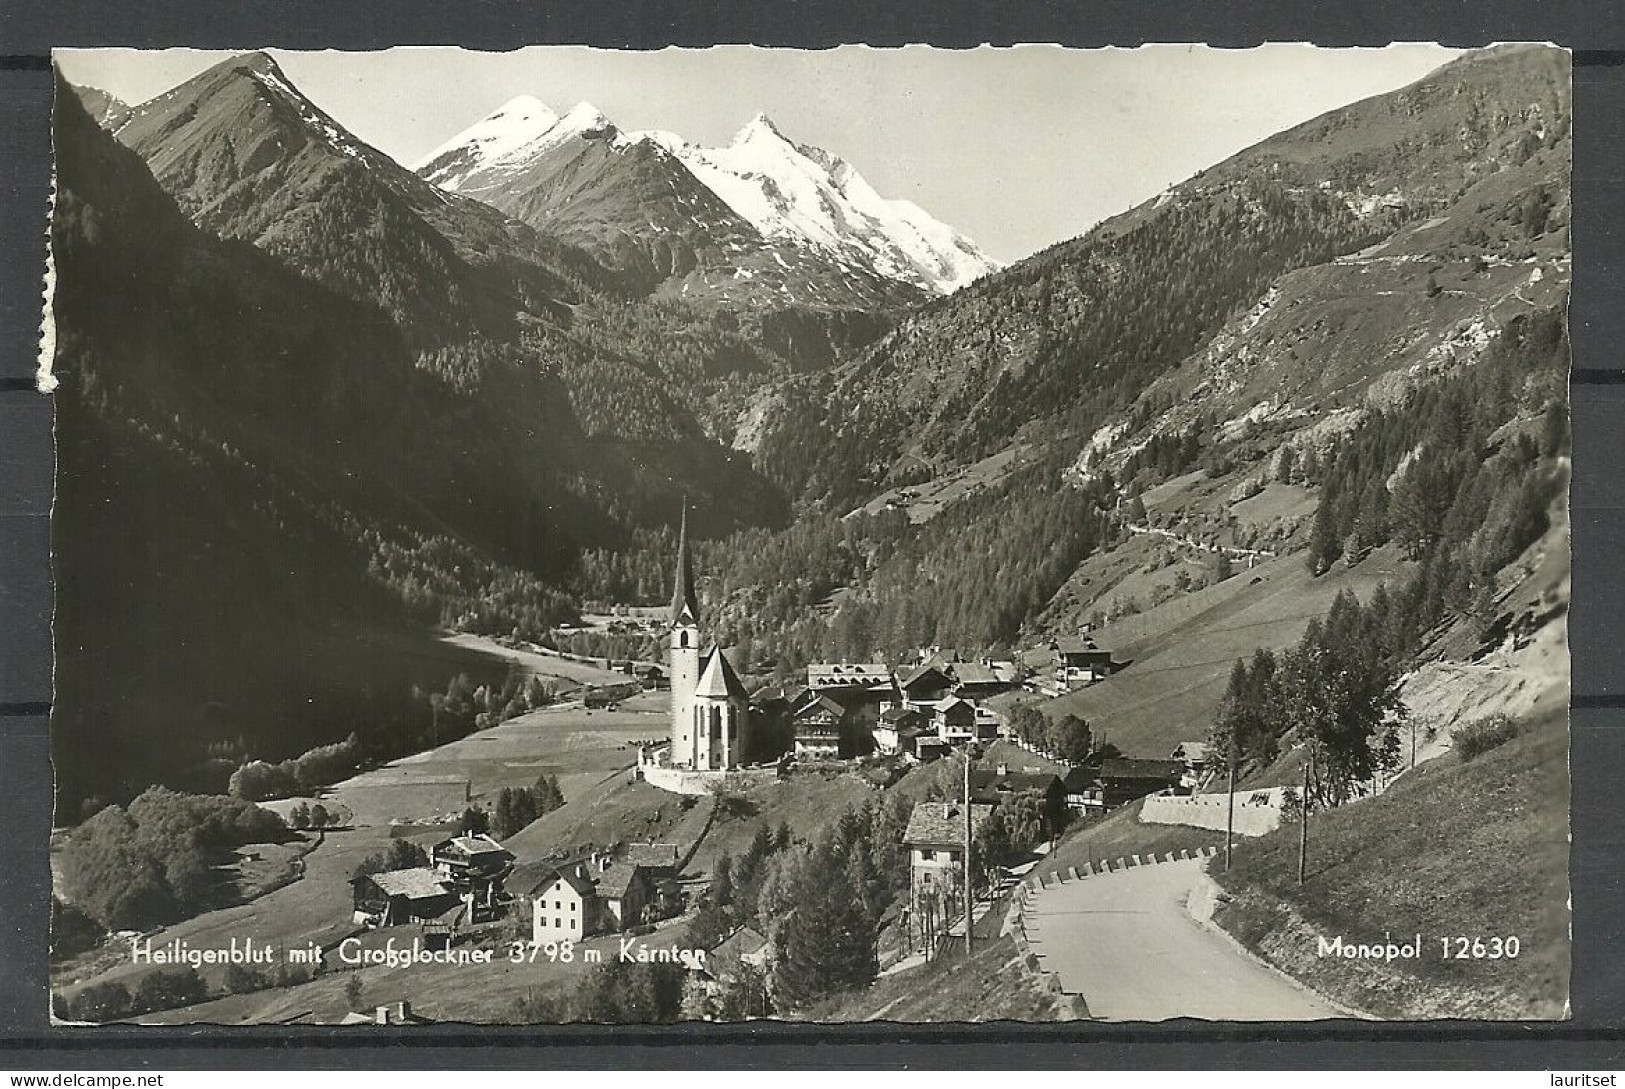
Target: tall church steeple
x,y
685,653
685,607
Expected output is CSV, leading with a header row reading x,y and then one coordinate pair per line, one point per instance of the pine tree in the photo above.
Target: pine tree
x,y
1136,511
1284,467
502,818
826,942
1484,616
722,882
1324,544
1073,740
474,822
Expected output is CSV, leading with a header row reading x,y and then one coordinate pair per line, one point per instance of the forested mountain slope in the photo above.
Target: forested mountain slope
x,y
249,157
1386,407
258,475
1054,345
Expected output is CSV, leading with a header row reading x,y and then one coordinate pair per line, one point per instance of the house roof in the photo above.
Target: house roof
x,y
451,914
613,882
726,958
820,703
1077,644
1079,779
990,779
775,693
920,672
1193,751
954,704
480,844
582,886
849,675
417,883
744,940
899,715
943,823
718,679
1125,768
975,673
527,877
650,855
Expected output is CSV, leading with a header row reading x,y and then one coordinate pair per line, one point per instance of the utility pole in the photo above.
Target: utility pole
x,y
968,904
1303,835
1230,814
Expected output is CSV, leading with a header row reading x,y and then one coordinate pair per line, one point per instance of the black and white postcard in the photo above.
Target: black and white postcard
x,y
1030,534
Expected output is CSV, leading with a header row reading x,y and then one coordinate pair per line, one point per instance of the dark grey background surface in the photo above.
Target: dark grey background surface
x,y
1595,1037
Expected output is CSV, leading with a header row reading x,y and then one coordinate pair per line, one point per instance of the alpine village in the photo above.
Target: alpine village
x,y
542,584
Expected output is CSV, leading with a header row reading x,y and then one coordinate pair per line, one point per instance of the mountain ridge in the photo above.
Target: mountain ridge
x,y
505,153
248,156
1061,341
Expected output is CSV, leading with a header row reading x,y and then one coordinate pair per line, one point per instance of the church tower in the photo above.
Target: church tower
x,y
685,653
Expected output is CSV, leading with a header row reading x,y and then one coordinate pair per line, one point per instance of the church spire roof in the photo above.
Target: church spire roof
x,y
718,679
685,606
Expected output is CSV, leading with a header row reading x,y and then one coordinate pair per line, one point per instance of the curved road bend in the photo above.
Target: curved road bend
x,y
1126,943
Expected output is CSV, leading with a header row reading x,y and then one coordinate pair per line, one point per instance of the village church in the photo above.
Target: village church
x,y
710,709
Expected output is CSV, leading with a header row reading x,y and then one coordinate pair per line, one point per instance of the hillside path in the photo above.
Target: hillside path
x,y
1127,944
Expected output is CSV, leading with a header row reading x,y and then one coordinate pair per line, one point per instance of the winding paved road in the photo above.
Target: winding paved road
x,y
1126,943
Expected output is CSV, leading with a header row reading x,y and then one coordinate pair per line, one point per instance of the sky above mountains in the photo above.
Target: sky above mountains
x,y
1017,148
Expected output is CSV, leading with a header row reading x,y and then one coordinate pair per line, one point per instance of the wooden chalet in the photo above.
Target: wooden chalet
x,y
1122,780
659,861
993,785
421,894
476,867
818,727
954,720
978,680
1082,791
1198,760
925,684
1079,661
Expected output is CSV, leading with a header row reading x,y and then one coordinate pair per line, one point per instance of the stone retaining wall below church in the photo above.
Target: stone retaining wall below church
x,y
700,783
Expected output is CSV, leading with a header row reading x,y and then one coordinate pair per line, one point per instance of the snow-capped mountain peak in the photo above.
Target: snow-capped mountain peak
x,y
489,140
791,191
584,119
788,192
759,127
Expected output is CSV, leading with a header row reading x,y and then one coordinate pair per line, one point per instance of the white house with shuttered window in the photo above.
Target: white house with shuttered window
x,y
564,908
